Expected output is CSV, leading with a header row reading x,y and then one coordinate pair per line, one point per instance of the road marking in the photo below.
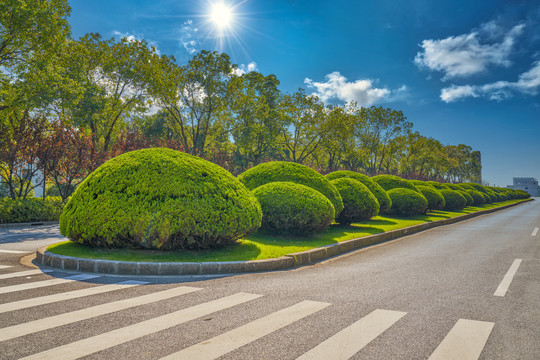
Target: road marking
x,y
505,283
104,341
49,299
231,340
30,327
44,283
23,273
353,338
5,266
535,231
465,341
14,251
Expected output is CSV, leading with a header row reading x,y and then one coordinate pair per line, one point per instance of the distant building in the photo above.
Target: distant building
x,y
529,185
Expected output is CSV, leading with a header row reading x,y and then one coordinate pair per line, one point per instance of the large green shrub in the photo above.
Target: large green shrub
x,y
358,202
288,171
433,196
467,196
161,199
478,198
453,199
385,204
30,209
389,182
293,209
406,202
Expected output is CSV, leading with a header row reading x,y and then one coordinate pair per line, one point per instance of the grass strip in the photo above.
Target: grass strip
x,y
265,246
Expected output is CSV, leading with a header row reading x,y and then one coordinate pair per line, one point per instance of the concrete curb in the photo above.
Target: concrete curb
x,y
288,261
33,223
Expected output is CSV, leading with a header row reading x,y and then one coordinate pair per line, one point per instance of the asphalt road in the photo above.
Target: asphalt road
x,y
464,291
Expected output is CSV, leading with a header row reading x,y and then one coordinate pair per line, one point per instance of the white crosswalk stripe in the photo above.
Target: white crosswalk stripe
x,y
70,295
229,341
5,266
23,273
14,251
45,283
465,341
352,339
104,341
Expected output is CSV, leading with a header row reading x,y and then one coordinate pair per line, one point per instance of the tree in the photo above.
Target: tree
x,y
304,119
196,97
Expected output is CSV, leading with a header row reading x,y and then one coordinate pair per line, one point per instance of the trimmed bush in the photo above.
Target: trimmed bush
x,y
469,198
293,209
453,199
382,197
478,198
388,182
437,185
454,187
419,182
433,196
288,171
160,199
358,202
406,202
30,209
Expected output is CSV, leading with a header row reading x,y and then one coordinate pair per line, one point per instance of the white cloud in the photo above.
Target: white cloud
x,y
527,83
469,54
337,87
242,68
188,38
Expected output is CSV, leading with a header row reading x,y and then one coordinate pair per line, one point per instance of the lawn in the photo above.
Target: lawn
x,y
265,246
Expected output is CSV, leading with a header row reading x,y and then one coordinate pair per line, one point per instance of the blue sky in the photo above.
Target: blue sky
x,y
464,72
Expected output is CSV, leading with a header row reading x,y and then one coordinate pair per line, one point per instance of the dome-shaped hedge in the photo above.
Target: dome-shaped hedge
x,y
469,198
388,182
380,194
437,185
419,182
433,196
453,199
358,202
161,199
406,202
478,198
293,209
288,171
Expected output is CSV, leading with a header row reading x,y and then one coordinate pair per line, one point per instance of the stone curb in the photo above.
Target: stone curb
x,y
33,223
288,261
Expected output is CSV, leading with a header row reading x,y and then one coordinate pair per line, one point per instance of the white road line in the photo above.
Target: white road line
x,y
44,283
465,341
535,231
49,299
353,338
14,251
23,273
30,327
505,283
231,340
5,266
104,341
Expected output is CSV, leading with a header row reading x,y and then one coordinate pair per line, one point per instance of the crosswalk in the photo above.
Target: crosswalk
x,y
466,340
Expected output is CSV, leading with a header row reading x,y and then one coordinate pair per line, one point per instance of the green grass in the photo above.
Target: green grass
x,y
264,246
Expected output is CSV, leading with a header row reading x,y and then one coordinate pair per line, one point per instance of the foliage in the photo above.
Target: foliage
x,y
358,202
407,202
478,198
433,196
437,185
293,209
388,182
162,199
385,204
467,196
30,209
288,171
453,199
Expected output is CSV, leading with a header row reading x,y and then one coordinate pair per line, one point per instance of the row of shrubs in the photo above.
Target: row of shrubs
x,y
165,199
30,209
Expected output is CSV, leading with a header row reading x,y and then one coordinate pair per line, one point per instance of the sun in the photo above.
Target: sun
x,y
221,15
